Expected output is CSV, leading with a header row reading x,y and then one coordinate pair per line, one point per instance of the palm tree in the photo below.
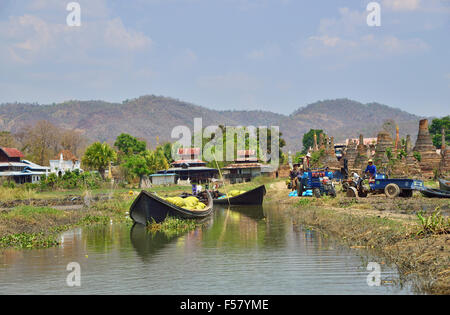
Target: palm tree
x,y
98,156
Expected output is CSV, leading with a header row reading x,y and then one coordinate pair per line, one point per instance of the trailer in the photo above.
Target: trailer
x,y
394,187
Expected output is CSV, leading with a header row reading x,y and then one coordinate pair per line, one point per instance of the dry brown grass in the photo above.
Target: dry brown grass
x,y
386,227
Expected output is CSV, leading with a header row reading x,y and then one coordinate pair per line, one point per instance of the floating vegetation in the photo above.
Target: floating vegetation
x,y
174,226
29,240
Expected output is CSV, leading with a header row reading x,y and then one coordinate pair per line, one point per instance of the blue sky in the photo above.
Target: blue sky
x,y
275,55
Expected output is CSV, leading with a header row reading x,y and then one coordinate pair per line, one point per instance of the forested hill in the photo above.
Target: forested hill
x,y
151,116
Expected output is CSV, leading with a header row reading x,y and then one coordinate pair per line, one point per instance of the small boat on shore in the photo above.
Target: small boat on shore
x,y
251,197
444,184
435,193
148,207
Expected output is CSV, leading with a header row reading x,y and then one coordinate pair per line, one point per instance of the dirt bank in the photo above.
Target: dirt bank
x,y
387,227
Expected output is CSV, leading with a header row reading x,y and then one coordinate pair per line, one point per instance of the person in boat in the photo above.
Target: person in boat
x,y
371,169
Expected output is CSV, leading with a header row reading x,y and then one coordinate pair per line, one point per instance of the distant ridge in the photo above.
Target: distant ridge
x,y
151,116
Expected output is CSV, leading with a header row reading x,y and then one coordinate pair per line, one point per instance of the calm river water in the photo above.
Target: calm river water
x,y
251,250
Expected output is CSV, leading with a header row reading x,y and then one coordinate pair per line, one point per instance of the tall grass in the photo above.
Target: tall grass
x,y
18,193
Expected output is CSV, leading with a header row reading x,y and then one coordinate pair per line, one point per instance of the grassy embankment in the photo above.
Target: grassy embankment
x,y
395,230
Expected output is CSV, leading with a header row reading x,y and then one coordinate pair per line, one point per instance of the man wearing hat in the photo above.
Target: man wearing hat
x,y
371,169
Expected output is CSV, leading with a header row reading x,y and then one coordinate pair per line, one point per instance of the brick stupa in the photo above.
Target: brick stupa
x,y
361,155
384,141
444,167
412,165
430,160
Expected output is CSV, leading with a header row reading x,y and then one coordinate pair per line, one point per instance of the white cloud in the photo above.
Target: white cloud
x,y
349,37
30,38
118,36
401,5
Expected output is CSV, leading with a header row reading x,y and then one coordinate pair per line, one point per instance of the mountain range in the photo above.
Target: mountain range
x,y
151,116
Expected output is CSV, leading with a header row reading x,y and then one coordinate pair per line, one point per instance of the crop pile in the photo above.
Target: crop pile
x,y
235,193
190,203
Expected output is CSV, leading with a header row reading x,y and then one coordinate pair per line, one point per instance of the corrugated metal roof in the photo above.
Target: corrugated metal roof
x,y
25,173
195,168
158,175
34,165
18,164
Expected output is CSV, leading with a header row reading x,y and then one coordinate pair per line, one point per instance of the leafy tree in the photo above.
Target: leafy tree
x,y
436,130
146,163
298,158
157,160
167,148
137,165
308,139
129,145
98,156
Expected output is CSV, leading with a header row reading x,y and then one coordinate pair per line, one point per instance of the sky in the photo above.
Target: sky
x,y
275,55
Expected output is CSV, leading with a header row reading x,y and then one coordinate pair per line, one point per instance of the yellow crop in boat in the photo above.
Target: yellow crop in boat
x,y
191,201
201,206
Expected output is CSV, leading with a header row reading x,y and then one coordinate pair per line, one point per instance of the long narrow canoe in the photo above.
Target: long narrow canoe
x,y
435,193
251,197
444,184
148,207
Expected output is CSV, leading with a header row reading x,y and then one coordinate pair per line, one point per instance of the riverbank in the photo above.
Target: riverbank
x,y
389,228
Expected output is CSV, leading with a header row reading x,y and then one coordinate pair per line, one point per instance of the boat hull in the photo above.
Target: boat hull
x,y
252,197
148,207
435,193
444,184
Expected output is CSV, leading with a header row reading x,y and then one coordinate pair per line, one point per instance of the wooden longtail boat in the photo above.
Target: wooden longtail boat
x,y
444,184
148,207
251,197
435,193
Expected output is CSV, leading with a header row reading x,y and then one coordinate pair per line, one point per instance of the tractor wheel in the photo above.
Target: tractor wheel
x,y
332,192
316,192
362,194
352,192
392,190
345,186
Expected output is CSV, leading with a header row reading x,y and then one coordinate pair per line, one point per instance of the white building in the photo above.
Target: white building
x,y
67,162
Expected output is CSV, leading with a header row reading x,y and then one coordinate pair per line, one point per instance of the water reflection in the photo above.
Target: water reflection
x,y
146,243
240,250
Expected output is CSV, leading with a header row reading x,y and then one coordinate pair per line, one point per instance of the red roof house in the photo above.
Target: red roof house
x,y
10,155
